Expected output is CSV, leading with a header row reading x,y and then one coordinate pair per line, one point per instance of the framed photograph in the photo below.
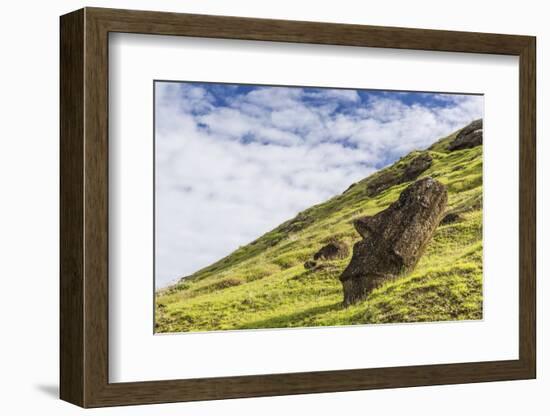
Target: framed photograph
x,y
255,207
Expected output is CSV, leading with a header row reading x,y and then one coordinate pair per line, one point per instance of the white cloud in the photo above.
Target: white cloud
x,y
343,95
228,171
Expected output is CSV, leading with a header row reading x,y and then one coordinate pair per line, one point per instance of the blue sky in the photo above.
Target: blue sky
x,y
234,161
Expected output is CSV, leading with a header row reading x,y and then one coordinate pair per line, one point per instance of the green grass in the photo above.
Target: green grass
x,y
265,285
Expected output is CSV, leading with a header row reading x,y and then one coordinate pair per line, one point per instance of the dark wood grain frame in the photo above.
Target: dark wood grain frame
x,y
84,207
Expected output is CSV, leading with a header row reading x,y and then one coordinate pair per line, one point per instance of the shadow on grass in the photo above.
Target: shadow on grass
x,y
293,319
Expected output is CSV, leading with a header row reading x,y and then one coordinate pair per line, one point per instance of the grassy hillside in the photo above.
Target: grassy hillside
x,y
265,285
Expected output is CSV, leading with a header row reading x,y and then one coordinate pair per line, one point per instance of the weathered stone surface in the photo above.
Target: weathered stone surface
x,y
389,178
382,182
416,166
333,250
470,136
394,239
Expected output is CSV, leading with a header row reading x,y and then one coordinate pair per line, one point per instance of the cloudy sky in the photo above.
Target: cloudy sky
x,y
234,161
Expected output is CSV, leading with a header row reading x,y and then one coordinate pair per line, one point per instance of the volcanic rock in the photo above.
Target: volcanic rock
x,y
387,179
450,218
394,239
470,136
416,166
333,250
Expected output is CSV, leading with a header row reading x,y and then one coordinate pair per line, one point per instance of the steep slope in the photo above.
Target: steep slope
x,y
265,284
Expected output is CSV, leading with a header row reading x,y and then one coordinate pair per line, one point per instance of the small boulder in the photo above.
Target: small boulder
x,y
470,136
394,239
416,166
450,218
383,181
411,171
333,250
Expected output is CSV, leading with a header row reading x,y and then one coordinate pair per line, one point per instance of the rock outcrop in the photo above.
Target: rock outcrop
x,y
394,239
333,250
470,136
416,166
450,218
411,171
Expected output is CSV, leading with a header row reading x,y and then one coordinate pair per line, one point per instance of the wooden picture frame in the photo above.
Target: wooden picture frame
x,y
84,207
